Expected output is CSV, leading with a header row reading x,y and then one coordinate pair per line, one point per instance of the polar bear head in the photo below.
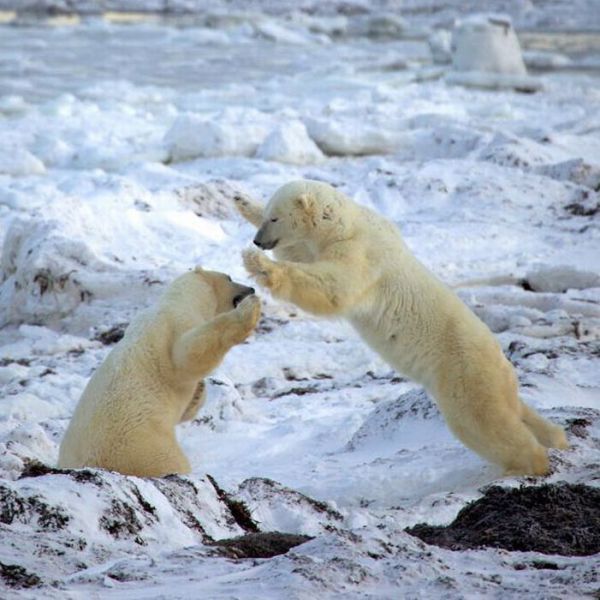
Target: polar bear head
x,y
304,211
208,293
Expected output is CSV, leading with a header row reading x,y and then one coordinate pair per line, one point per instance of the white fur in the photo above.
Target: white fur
x,y
152,379
341,259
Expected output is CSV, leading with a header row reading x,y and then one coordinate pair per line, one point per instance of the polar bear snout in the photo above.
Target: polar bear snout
x,y
245,291
261,239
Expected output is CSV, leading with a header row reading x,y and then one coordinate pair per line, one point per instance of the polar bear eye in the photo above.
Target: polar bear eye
x,y
273,220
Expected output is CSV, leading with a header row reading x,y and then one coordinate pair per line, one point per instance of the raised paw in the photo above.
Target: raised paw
x,y
251,211
255,261
259,266
249,312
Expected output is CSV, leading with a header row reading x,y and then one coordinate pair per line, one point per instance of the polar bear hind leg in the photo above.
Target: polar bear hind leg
x,y
547,434
499,435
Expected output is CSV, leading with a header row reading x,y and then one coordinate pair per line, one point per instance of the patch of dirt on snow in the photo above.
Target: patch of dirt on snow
x,y
260,545
559,519
22,509
110,336
210,199
239,510
17,577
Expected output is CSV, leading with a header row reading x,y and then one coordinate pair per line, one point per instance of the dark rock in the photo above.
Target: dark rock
x,y
559,519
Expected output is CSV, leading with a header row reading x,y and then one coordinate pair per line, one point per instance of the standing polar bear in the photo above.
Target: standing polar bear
x,y
340,259
152,380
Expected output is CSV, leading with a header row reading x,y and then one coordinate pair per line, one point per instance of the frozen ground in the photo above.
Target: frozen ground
x,y
121,148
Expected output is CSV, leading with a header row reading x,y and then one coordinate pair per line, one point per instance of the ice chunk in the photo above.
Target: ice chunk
x,y
440,45
487,43
346,137
538,59
290,143
231,133
12,104
559,278
18,161
486,53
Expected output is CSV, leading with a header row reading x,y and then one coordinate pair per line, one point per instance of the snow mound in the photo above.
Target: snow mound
x,y
278,508
48,513
41,267
210,199
290,143
223,404
576,170
384,422
522,153
49,268
233,132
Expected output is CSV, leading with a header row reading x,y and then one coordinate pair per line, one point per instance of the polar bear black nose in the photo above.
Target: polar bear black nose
x,y
265,245
247,292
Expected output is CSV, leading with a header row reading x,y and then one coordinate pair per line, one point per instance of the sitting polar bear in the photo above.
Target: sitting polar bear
x,y
341,259
152,379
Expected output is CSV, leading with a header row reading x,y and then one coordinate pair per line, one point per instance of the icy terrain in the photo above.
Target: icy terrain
x,y
121,147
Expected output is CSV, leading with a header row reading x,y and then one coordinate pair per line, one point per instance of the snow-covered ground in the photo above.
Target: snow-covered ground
x,y
121,147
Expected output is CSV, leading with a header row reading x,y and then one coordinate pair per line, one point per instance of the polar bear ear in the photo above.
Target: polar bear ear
x,y
198,269
306,202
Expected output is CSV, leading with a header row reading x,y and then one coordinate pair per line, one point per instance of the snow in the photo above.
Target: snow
x,y
117,175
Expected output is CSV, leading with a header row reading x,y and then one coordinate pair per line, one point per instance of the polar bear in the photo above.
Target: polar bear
x,y
337,258
152,379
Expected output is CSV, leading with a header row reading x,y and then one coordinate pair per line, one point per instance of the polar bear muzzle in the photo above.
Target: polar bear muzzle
x,y
242,293
261,239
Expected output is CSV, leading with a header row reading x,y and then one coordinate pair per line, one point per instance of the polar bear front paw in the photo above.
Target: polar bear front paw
x,y
260,267
251,211
248,312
